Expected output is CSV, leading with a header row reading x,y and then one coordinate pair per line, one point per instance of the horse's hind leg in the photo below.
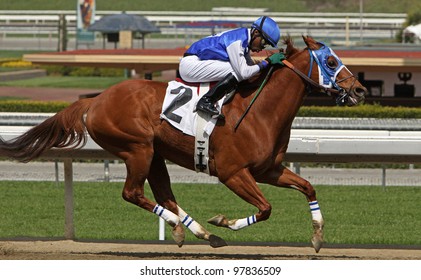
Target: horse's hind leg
x,y
159,181
138,166
283,177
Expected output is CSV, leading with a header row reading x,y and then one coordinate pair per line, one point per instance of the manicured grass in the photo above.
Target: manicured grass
x,y
66,82
189,5
353,215
8,69
3,98
182,5
15,54
31,209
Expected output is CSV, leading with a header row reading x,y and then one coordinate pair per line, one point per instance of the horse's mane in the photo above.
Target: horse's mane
x,y
291,49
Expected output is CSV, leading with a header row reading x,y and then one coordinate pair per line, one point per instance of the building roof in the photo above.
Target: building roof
x,y
123,22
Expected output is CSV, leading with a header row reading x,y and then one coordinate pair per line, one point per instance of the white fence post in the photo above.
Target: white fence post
x,y
69,230
161,229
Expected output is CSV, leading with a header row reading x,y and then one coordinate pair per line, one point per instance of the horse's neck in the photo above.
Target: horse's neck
x,y
283,96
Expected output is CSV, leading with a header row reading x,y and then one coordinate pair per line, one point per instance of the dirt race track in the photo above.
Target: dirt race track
x,y
72,250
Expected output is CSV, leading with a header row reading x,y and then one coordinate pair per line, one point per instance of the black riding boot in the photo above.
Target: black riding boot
x,y
207,102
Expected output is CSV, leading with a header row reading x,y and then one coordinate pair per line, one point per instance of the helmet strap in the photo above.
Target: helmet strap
x,y
261,28
262,22
252,37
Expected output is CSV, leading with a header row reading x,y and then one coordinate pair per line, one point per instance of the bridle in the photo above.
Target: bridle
x,y
342,95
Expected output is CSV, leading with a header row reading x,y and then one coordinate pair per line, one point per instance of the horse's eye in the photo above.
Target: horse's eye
x,y
332,63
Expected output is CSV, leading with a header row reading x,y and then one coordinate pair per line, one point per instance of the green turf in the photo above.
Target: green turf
x,y
195,5
66,82
4,98
353,215
9,69
7,55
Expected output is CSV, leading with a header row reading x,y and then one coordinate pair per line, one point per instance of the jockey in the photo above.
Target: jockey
x,y
225,57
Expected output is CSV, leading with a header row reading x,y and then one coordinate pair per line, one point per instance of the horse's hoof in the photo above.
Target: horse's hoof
x,y
216,241
219,220
317,239
178,235
317,243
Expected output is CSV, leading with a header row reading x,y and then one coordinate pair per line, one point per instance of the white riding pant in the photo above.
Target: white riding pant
x,y
194,70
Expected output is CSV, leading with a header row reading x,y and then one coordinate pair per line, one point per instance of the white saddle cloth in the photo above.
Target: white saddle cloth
x,y
179,106
179,110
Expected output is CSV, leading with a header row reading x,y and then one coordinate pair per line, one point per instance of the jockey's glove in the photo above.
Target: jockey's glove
x,y
276,58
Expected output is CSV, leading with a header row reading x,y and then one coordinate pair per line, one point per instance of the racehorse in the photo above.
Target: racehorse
x,y
125,120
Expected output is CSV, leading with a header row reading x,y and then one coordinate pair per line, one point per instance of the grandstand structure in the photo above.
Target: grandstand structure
x,y
387,69
345,27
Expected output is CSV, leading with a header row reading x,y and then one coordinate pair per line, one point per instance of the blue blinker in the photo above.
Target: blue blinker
x,y
327,73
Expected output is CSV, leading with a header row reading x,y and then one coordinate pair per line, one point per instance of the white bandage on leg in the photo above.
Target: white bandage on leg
x,y
315,211
241,223
165,214
191,224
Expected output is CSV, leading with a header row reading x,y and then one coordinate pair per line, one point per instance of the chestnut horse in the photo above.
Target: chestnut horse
x,y
125,120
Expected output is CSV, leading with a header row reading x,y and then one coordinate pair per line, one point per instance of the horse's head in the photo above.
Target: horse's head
x,y
332,75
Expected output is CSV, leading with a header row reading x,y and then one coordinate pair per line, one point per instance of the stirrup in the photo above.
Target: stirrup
x,y
212,114
208,110
207,107
219,117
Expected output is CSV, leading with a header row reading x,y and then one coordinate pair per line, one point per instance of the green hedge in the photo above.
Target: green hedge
x,y
32,106
363,111
84,71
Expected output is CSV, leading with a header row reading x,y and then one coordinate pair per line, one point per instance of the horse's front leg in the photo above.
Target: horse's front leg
x,y
244,185
283,177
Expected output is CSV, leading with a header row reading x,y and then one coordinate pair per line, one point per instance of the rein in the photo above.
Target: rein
x,y
309,80
254,98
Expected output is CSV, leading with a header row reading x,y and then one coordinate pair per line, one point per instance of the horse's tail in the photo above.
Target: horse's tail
x,y
65,129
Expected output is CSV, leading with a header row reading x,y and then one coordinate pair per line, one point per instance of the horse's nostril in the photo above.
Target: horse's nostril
x,y
360,91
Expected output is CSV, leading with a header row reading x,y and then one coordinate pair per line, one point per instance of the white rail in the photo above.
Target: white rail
x,y
292,23
306,145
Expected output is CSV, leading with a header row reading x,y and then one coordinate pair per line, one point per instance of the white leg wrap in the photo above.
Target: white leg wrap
x,y
241,223
191,224
315,211
165,214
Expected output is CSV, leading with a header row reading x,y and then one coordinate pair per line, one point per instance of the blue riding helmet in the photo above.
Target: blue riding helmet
x,y
269,29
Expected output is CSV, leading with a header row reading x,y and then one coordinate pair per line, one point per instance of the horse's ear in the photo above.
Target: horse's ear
x,y
290,50
311,43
